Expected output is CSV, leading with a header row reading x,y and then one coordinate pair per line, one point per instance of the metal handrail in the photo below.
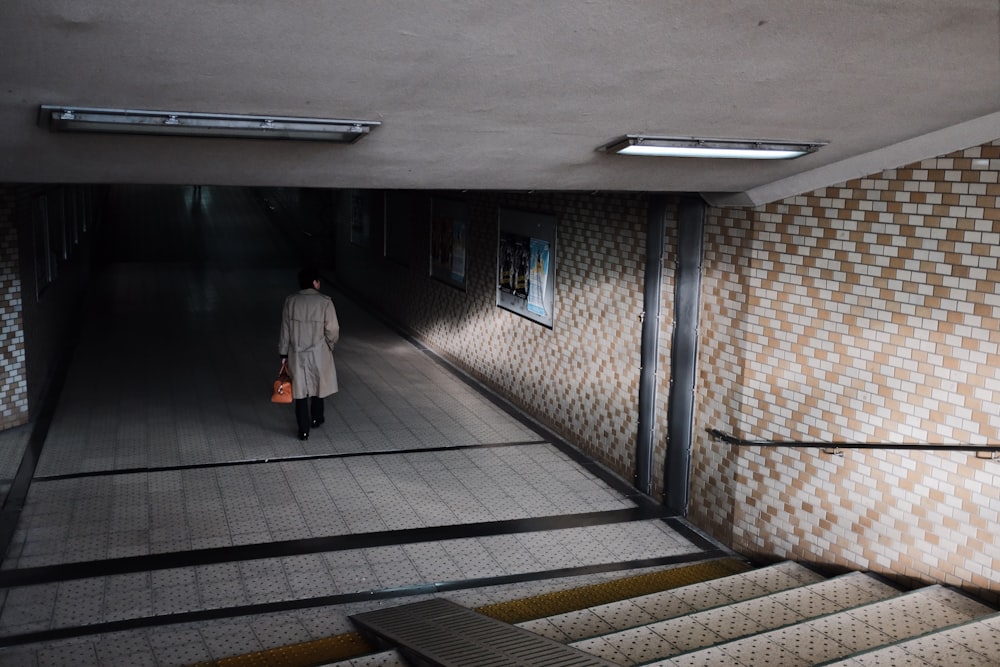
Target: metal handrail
x,y
919,446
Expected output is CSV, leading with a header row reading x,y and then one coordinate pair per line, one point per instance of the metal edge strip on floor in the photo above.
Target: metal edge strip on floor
x,y
352,644
346,598
283,459
194,557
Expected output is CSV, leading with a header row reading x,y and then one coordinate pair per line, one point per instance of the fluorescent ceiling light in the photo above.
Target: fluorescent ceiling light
x,y
743,149
181,123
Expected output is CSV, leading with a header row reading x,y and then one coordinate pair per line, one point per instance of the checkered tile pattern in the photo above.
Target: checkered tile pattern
x,y
865,312
582,376
13,386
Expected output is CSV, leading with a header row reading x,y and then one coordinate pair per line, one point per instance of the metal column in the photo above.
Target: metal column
x,y
649,353
684,354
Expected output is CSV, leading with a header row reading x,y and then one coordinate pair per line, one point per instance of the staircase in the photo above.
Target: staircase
x,y
783,614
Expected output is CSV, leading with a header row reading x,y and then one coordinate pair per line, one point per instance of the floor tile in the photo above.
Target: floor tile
x,y
227,470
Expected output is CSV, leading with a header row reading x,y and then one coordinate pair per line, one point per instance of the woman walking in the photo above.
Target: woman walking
x,y
309,331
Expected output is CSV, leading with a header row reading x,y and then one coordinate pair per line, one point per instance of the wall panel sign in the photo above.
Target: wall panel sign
x,y
449,240
526,264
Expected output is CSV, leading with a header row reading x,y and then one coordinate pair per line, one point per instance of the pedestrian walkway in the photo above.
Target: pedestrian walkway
x,y
174,517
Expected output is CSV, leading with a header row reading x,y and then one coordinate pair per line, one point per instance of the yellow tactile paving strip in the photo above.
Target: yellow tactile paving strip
x,y
352,644
560,602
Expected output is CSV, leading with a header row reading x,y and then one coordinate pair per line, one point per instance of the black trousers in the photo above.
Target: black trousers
x,y
306,410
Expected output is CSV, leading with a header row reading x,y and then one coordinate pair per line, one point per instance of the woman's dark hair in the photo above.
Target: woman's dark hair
x,y
306,277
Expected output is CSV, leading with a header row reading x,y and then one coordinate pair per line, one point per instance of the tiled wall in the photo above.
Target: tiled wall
x,y
14,384
45,304
865,312
581,377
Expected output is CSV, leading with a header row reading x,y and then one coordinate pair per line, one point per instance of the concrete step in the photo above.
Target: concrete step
x,y
662,605
743,618
690,597
784,614
843,634
391,658
972,644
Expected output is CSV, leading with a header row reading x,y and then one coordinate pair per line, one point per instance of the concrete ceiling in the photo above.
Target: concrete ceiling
x,y
493,94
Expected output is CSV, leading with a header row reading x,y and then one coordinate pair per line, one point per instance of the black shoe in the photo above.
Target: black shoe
x,y
304,435
316,423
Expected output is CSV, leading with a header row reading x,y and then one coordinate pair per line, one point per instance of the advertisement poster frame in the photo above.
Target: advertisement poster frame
x,y
449,242
526,264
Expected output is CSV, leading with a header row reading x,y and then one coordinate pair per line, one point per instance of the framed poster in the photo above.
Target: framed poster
x,y
526,264
449,239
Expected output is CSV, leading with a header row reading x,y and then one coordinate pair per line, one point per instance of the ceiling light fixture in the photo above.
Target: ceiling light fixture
x,y
744,149
180,123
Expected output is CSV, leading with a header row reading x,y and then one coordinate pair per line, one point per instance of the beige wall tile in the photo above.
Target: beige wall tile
x,y
882,328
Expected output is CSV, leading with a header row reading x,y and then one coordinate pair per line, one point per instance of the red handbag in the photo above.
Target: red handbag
x,y
282,390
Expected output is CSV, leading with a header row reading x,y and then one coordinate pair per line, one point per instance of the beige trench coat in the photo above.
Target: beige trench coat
x,y
309,331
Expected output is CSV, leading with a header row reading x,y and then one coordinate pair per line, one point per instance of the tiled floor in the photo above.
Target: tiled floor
x,y
174,517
